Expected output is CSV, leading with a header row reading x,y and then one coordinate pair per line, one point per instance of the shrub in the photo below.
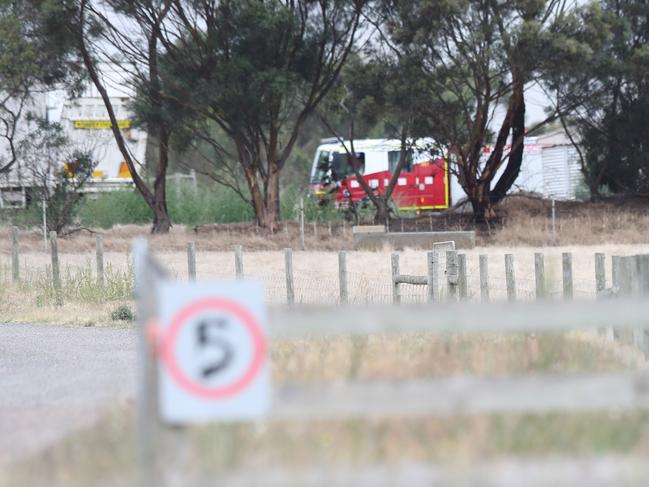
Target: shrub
x,y
123,313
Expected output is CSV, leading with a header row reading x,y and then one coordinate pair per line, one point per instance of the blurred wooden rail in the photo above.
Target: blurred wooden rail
x,y
460,395
609,471
547,316
463,395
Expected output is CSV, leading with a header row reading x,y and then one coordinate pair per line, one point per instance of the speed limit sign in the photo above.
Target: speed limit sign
x,y
213,352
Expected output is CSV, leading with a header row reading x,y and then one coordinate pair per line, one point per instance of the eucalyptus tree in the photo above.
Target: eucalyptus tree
x,y
127,34
612,95
35,54
376,93
475,58
257,70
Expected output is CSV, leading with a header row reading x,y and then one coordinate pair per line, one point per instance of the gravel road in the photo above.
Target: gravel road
x,y
55,379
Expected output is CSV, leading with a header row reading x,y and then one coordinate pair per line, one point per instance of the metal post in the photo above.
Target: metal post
x,y
462,281
342,277
539,275
566,259
288,259
191,261
99,253
484,278
510,277
15,260
396,295
238,261
56,270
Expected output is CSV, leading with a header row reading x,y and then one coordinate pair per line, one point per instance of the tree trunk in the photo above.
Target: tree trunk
x,y
382,211
515,160
271,216
161,220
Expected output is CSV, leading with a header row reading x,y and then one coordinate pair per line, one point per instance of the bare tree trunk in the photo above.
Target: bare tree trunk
x,y
515,160
271,217
161,219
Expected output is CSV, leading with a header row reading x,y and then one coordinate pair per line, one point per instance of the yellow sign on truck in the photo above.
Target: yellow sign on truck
x,y
100,124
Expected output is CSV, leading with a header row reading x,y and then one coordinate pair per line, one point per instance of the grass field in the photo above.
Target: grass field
x,y
316,276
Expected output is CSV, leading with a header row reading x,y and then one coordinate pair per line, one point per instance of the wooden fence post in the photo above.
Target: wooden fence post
x,y
432,266
600,273
510,278
643,277
342,277
302,223
191,261
462,282
15,260
629,279
484,278
396,294
615,270
623,276
566,266
539,275
452,274
290,292
99,251
56,270
238,262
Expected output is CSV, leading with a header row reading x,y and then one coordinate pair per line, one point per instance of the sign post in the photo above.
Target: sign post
x,y
203,356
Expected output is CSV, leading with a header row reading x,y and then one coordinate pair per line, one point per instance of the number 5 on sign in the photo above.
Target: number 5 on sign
x,y
213,352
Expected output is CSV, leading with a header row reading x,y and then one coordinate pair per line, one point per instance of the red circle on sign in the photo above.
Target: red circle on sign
x,y
182,318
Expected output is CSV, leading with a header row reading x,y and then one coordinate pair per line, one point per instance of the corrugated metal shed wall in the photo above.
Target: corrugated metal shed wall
x,y
561,172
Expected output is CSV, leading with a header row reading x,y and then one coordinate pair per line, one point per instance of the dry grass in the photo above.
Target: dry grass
x,y
527,223
316,276
104,455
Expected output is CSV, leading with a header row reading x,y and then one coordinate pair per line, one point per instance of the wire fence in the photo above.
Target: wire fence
x,y
317,278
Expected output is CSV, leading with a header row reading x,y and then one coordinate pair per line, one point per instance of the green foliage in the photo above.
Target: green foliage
x,y
186,207
79,285
123,313
58,171
36,50
255,74
613,92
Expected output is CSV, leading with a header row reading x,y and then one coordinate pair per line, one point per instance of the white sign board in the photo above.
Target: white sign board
x,y
213,352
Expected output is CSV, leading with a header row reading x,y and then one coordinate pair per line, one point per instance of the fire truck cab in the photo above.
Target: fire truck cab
x,y
423,183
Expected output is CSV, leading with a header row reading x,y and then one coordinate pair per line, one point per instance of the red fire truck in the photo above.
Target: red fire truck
x,y
423,183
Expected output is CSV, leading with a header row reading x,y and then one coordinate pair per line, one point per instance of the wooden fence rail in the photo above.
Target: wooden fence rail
x,y
458,395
